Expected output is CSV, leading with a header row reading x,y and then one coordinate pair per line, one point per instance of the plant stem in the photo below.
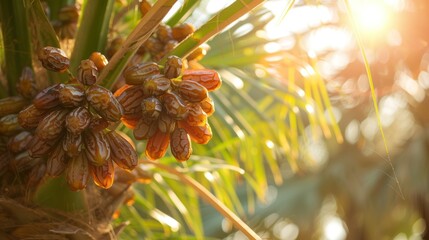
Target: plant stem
x,y
16,40
183,12
55,193
138,36
92,33
210,198
215,25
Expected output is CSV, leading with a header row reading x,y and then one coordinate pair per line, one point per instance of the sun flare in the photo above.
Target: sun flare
x,y
371,16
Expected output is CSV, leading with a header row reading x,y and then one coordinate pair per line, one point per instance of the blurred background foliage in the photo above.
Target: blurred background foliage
x,y
296,149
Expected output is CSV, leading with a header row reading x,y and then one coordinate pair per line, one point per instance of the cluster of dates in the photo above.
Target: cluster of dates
x,y
166,38
168,109
66,24
70,124
14,158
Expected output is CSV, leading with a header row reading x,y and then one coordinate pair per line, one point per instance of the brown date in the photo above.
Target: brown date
x,y
153,45
151,107
103,101
206,77
130,99
23,161
145,128
36,175
56,162
26,85
77,120
69,14
198,134
51,126
208,106
48,97
156,85
181,31
19,142
71,95
164,33
136,74
72,144
166,124
157,145
30,117
54,59
196,116
174,106
9,125
87,72
38,147
173,67
99,60
123,153
180,144
77,172
103,175
114,46
12,105
98,124
192,91
97,147
130,121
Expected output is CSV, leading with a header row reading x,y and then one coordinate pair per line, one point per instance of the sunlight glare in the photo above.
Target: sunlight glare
x,y
165,219
269,144
371,16
334,229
